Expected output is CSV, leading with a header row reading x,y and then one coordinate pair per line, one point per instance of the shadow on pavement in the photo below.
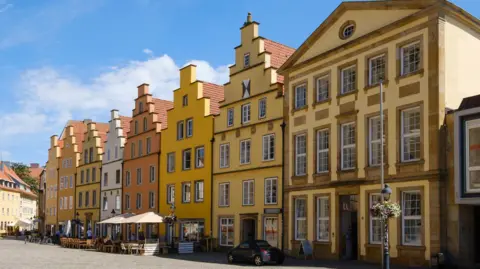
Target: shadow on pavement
x,y
220,258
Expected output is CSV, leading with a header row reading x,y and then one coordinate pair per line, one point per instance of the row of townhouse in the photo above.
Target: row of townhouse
x,y
18,203
289,148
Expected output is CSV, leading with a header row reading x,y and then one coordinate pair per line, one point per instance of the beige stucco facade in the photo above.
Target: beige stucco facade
x,y
409,38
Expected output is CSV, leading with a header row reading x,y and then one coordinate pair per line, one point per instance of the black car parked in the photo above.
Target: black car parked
x,y
256,251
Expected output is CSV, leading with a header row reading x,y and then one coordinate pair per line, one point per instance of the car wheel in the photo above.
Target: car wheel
x,y
258,260
230,258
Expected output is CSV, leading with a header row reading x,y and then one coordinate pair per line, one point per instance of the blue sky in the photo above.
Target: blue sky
x,y
76,59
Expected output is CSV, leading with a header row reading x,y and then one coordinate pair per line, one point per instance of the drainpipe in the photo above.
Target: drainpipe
x,y
212,141
283,125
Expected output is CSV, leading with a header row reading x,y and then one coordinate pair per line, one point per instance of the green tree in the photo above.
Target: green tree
x,y
23,171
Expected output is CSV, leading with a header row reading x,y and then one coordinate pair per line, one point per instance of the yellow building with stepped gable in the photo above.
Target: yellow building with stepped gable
x,y
247,164
186,154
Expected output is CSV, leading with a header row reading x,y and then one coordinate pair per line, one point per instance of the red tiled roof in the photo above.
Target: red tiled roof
x,y
279,53
102,129
35,172
216,94
125,124
161,107
79,129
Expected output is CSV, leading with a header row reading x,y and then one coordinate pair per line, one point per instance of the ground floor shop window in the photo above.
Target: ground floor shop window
x,y
226,232
192,230
270,233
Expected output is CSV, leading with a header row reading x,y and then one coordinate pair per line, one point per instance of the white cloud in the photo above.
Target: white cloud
x,y
49,97
148,52
5,7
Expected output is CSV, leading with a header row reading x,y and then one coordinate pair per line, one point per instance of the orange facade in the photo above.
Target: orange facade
x,y
141,154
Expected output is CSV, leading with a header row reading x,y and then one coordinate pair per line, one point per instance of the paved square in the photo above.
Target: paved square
x,y
14,254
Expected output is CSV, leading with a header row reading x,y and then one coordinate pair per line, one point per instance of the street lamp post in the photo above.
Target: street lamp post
x,y
386,192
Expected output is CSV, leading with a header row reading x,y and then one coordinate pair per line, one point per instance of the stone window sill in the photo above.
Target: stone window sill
x,y
420,72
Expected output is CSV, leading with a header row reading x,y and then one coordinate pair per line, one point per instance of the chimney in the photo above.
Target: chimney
x,y
143,89
249,31
87,121
34,165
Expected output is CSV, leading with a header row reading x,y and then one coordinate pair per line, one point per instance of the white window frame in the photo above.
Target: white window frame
x,y
151,199
224,155
180,130
271,188
189,128
224,194
402,60
245,150
370,69
267,149
151,175
300,218
104,203
418,217
186,199
372,218
171,162
246,113
262,108
323,218
248,192
170,194
300,102
300,156
470,124
321,150
409,135
197,155
230,222
321,95
373,141
139,176
230,117
199,191
118,202
184,159
342,82
128,178
138,202
149,145
343,146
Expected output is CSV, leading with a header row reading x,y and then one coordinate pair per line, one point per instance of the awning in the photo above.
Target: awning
x,y
22,223
117,219
149,217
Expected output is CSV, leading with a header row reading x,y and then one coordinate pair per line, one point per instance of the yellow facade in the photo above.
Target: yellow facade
x,y
51,184
187,185
247,186
89,178
331,205
68,163
9,206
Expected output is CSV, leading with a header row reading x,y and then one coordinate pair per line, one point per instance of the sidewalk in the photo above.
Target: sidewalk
x,y
221,258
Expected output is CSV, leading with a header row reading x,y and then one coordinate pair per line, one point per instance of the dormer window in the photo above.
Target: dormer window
x,y
246,88
246,60
185,100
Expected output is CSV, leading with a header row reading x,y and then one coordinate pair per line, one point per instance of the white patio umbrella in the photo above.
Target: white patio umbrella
x,y
149,217
117,219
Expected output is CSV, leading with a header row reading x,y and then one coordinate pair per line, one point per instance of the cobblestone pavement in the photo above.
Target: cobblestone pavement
x,y
14,254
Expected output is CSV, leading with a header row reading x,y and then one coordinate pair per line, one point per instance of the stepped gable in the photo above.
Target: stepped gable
x,y
161,107
216,94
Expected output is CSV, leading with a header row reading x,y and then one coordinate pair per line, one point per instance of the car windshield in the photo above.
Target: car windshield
x,y
263,244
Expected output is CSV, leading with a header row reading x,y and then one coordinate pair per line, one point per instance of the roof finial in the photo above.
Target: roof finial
x,y
249,17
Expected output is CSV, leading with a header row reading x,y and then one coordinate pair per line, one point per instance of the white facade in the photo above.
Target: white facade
x,y
111,185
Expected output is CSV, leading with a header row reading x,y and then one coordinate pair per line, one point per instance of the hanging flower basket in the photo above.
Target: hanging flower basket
x,y
386,210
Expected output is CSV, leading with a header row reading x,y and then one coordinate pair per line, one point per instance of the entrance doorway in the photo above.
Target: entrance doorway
x,y
348,227
248,229
476,232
